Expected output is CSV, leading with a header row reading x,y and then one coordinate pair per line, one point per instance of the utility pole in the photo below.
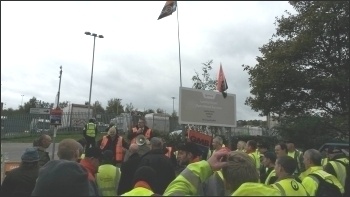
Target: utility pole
x,y
57,106
173,103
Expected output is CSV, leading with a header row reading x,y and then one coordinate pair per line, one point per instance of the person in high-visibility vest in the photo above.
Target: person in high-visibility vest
x,y
297,155
217,144
187,153
140,129
337,164
90,133
269,177
112,141
241,146
238,172
108,175
144,182
250,149
286,184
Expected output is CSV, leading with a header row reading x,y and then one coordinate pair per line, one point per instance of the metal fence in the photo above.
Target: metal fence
x,y
24,124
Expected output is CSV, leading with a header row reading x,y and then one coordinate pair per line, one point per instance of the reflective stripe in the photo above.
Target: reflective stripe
x,y
279,187
220,174
119,150
272,174
340,171
103,142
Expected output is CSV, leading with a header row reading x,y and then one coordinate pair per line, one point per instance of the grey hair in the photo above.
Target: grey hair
x,y
156,143
219,139
315,156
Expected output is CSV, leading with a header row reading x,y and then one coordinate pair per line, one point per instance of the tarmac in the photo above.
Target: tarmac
x,y
14,151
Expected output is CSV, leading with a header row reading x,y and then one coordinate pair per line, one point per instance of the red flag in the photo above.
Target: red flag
x,y
222,83
168,9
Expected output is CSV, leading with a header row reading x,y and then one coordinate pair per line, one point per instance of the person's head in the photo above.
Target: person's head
x,y
156,143
133,148
217,142
141,123
290,145
187,153
269,159
44,141
107,157
251,146
312,157
93,155
281,150
30,157
240,169
241,145
112,132
146,174
69,149
262,147
285,166
63,178
92,120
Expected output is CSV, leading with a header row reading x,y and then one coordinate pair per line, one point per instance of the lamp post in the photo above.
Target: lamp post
x,y
92,67
173,103
22,100
57,106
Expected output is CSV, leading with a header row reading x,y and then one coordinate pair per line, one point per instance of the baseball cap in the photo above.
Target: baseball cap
x,y
190,147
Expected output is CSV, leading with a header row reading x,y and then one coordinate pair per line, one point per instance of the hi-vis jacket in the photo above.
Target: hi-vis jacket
x,y
290,187
119,154
91,129
147,134
107,179
339,169
190,180
311,184
141,189
268,178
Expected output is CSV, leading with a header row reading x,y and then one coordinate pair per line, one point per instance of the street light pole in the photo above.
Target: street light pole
x,y
55,129
92,67
173,103
22,100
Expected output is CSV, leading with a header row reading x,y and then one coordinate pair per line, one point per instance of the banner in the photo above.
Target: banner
x,y
199,138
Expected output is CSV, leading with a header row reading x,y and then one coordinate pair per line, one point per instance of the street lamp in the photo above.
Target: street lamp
x,y
173,103
22,100
92,67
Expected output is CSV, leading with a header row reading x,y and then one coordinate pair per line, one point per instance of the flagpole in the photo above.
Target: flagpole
x,y
178,39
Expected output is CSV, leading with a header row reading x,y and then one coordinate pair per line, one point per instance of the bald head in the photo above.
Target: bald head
x,y
69,149
133,148
156,143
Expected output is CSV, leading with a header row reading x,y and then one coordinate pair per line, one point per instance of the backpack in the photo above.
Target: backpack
x,y
326,188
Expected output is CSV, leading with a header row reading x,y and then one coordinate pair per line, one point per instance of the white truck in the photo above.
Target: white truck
x,y
75,116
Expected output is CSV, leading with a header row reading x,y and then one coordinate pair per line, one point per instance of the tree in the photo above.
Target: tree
x,y
205,82
160,111
304,68
114,106
149,111
97,108
129,108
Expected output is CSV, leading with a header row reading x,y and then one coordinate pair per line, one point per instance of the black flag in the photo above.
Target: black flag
x,y
168,9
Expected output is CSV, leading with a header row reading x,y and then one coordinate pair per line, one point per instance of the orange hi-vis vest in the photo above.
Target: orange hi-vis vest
x,y
147,134
118,148
168,154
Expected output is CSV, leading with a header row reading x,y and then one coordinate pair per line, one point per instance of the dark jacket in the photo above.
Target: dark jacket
x,y
44,157
20,181
163,167
132,135
127,171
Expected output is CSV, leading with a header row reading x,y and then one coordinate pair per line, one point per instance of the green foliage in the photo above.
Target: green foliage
x,y
304,68
204,82
160,111
97,108
114,106
129,108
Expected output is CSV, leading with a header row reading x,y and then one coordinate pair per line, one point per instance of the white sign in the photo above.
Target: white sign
x,y
39,110
204,107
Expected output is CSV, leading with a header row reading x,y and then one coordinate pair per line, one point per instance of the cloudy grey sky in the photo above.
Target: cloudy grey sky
x,y
137,60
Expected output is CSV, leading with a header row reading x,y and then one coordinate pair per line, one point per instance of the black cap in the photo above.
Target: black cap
x,y
263,145
191,148
93,152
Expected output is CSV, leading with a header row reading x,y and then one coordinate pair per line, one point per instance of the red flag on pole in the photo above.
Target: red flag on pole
x,y
222,83
168,9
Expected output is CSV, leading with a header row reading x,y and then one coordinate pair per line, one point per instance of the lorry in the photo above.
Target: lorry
x,y
75,116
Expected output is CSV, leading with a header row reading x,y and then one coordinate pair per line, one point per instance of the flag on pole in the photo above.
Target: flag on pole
x,y
222,83
168,9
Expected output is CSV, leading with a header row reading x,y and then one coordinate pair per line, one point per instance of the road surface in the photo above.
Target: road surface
x,y
14,151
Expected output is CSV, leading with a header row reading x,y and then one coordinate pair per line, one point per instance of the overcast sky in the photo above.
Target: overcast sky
x,y
137,60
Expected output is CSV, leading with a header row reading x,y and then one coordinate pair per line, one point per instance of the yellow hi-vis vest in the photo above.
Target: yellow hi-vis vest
x,y
139,191
90,129
340,169
107,180
290,187
324,161
256,160
272,174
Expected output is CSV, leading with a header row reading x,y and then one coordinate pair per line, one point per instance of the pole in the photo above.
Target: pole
x,y
55,128
178,39
173,104
92,72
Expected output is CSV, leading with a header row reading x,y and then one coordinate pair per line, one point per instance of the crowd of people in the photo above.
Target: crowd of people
x,y
144,165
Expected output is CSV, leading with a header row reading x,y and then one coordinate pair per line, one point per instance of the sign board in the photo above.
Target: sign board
x,y
10,165
206,107
56,116
39,110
